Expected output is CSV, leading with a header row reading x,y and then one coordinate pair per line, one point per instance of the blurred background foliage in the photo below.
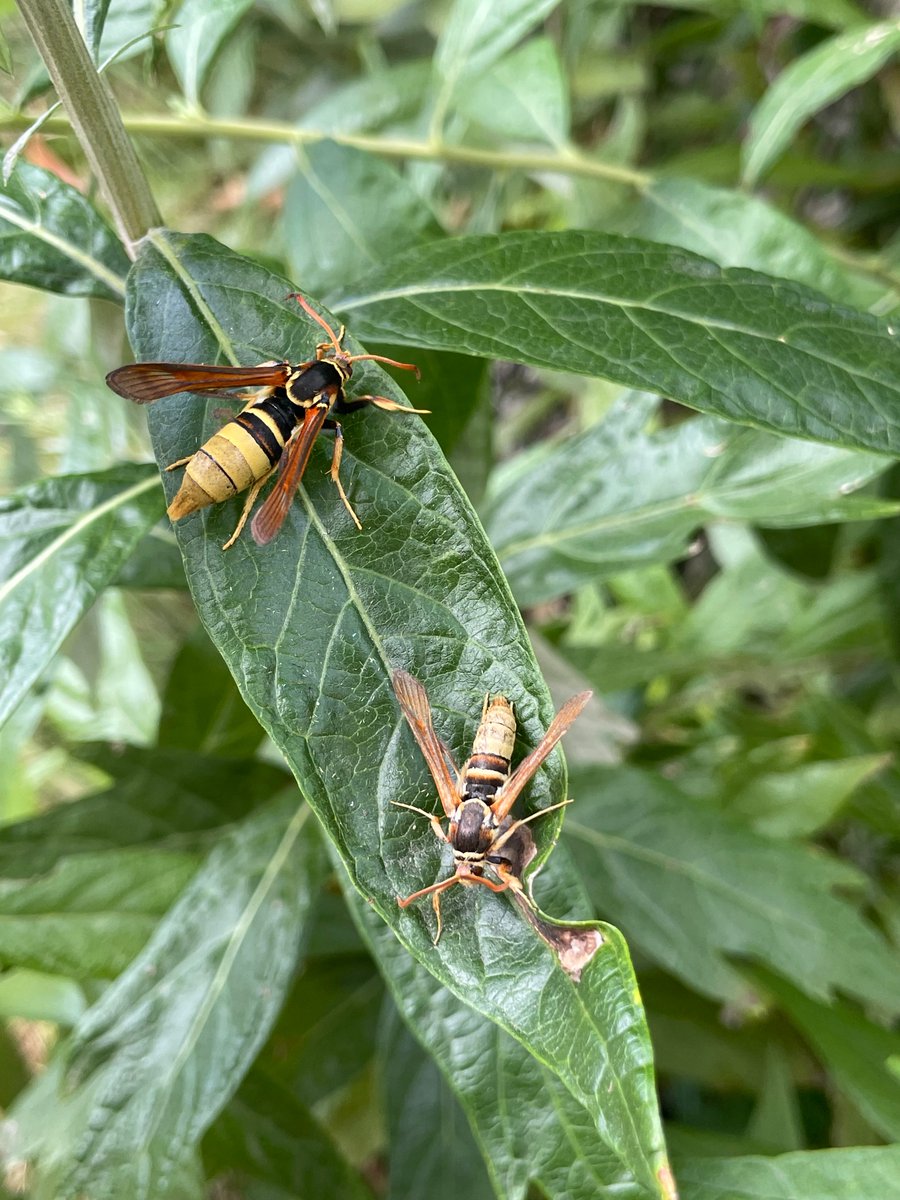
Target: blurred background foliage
x,y
739,787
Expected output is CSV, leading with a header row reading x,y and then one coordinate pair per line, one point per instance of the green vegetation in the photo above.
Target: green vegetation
x,y
672,232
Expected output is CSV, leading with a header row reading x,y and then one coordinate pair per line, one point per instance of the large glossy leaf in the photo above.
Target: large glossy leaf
x,y
312,624
61,541
860,1173
52,237
692,887
155,1060
618,497
809,84
754,349
530,1130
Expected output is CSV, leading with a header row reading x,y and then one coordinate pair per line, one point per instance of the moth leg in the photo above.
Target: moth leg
x,y
181,462
248,505
335,467
432,817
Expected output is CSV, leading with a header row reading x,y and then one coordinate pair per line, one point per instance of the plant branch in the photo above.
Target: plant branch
x,y
94,117
199,125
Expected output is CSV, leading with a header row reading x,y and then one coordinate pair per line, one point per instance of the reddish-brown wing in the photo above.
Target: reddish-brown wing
x,y
508,794
414,702
294,458
146,382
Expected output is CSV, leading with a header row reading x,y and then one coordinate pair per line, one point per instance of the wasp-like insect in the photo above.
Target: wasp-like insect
x,y
275,430
477,802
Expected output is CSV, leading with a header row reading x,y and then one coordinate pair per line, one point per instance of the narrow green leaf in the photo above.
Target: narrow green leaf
x,y
311,626
618,497
735,229
856,1051
62,540
523,96
809,84
194,41
647,851
745,346
477,34
91,15
860,1173
799,802
51,237
155,1060
345,211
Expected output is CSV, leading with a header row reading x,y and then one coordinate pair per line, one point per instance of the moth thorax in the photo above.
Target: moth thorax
x,y
474,830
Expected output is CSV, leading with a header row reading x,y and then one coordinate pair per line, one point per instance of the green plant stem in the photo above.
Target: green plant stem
x,y
94,117
198,125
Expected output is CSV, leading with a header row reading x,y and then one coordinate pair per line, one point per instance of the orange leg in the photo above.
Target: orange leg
x,y
248,505
335,468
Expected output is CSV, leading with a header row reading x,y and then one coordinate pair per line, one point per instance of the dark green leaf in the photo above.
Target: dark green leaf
x,y
809,84
61,541
528,1126
167,799
617,496
91,913
345,211
311,626
327,1032
14,1074
202,708
647,852
860,1173
754,349
857,1052
430,1146
267,1137
155,1060
52,237
154,563
93,15
452,388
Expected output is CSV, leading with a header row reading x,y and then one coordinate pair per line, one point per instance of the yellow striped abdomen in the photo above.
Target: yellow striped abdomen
x,y
488,767
228,463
